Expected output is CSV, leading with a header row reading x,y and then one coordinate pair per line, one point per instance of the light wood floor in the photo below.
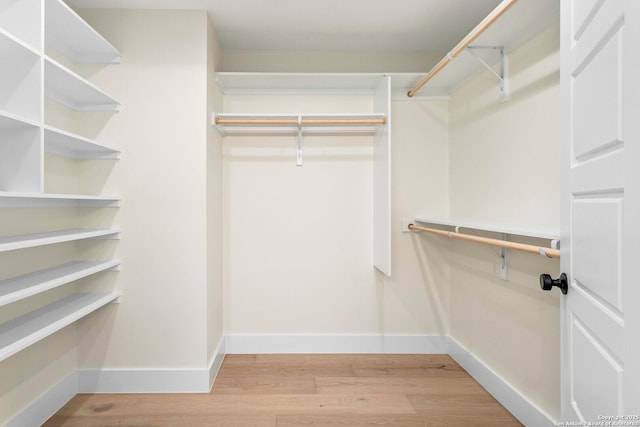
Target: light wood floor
x,y
307,390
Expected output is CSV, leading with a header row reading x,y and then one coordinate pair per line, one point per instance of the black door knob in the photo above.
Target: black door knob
x,y
547,283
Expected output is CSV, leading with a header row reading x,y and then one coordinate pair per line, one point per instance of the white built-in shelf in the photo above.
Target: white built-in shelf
x,y
541,232
63,143
23,18
17,288
519,23
69,34
13,121
23,241
69,89
291,128
20,75
10,199
26,330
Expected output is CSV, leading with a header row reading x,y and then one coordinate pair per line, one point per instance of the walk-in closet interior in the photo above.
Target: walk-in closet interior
x,y
170,195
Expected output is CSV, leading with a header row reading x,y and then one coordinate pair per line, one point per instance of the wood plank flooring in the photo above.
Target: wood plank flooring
x,y
307,390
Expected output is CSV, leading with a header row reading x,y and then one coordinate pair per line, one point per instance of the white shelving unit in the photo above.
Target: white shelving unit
x,y
26,330
376,85
31,31
518,24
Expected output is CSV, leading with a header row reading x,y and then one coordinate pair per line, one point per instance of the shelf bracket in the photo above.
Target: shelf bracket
x,y
503,259
502,75
299,149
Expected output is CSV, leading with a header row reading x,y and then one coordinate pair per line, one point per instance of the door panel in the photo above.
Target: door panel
x,y
594,82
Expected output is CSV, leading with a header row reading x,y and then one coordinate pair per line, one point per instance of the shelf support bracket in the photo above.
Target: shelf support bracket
x,y
299,149
502,75
503,260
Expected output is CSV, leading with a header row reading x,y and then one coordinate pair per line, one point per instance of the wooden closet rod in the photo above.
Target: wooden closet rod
x,y
377,121
464,43
548,252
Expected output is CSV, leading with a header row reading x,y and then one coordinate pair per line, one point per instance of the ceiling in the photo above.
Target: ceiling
x,y
335,25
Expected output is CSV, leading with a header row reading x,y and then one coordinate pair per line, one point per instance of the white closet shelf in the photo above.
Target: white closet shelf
x,y
68,88
540,232
63,143
26,330
20,287
9,199
12,47
68,33
229,123
519,23
23,241
13,121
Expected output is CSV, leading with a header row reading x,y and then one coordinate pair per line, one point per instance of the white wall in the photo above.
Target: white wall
x,y
298,240
505,168
328,61
161,82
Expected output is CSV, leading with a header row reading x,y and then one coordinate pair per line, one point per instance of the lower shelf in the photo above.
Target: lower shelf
x,y
17,288
22,241
26,330
9,199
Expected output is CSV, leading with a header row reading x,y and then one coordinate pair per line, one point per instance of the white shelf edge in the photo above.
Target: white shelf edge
x,y
524,230
71,35
67,144
23,241
16,40
24,286
20,122
88,96
10,199
26,330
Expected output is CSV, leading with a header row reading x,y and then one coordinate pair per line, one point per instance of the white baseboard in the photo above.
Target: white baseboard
x,y
47,404
521,407
388,344
201,380
216,361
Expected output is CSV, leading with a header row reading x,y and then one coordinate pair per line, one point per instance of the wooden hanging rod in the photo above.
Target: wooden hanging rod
x,y
294,121
464,43
548,252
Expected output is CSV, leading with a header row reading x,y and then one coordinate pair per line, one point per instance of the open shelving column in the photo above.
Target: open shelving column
x,y
29,29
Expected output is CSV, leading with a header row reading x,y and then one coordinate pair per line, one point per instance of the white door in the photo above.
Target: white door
x,y
600,68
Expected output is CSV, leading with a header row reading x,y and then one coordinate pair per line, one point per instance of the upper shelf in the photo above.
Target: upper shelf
x,y
520,22
238,83
70,89
62,143
69,34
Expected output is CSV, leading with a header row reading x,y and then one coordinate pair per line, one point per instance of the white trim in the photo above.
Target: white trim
x,y
216,361
47,404
381,344
201,380
143,380
516,403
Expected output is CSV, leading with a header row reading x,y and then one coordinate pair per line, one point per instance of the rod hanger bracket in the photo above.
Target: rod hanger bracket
x,y
299,148
501,75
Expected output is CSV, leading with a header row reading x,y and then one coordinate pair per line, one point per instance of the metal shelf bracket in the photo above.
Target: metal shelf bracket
x,y
502,75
